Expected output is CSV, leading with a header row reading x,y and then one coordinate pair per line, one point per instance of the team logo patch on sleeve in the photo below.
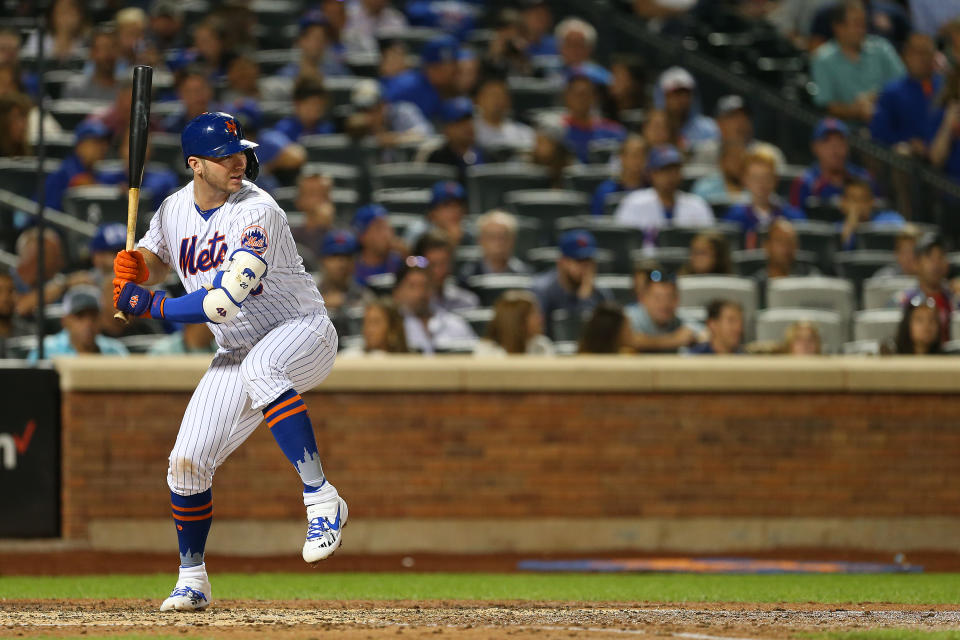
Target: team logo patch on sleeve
x,y
254,238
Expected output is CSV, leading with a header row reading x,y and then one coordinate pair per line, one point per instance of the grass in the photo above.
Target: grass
x,y
884,634
941,588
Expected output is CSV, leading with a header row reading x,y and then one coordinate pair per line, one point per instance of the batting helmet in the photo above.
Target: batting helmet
x,y
215,135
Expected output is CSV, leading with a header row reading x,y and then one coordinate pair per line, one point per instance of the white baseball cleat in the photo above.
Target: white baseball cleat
x,y
190,594
325,523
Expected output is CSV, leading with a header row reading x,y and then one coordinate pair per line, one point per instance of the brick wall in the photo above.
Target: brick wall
x,y
538,454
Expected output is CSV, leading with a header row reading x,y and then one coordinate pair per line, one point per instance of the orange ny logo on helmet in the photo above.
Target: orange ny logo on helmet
x,y
232,127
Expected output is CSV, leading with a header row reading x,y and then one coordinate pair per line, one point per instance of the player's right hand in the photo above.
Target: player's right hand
x,y
130,265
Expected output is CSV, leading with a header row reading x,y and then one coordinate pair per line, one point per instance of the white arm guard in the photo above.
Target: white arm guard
x,y
241,275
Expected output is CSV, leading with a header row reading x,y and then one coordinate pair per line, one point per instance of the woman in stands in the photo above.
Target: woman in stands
x,y
919,329
516,328
607,331
382,330
802,339
709,255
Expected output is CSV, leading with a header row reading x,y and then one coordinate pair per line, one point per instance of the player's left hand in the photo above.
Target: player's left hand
x,y
131,298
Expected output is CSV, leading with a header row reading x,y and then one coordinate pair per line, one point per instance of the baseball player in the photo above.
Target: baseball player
x,y
232,248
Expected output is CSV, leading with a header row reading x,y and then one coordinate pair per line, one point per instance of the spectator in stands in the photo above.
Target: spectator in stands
x,y
850,70
904,251
316,55
607,331
516,328
337,282
506,52
468,71
497,235
663,203
932,269
91,147
11,324
921,329
884,18
195,94
725,184
131,25
280,159
382,330
108,240
550,151
653,318
435,245
389,124
944,132
724,329
67,29
341,40
657,130
930,16
581,122
458,148
735,124
158,181
376,240
446,211
576,40
81,306
315,202
191,339
14,108
571,286
760,181
537,25
431,88
825,178
709,255
243,81
793,19
26,272
676,94
905,110
166,30
633,174
802,338
99,81
209,50
368,19
857,208
309,110
428,327
627,86
495,130
781,250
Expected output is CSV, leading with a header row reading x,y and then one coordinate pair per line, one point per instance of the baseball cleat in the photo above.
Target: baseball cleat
x,y
325,522
190,594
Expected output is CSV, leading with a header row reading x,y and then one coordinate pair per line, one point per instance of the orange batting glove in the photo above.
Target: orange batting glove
x,y
130,265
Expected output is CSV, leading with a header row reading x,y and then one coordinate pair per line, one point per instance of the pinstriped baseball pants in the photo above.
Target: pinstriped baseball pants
x,y
226,405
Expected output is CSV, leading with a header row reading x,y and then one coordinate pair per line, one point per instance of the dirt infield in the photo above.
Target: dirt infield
x,y
459,620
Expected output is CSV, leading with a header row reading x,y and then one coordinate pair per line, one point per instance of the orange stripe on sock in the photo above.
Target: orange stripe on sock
x,y
277,419
283,404
206,506
192,518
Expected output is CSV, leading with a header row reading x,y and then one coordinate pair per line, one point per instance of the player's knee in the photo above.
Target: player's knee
x,y
186,476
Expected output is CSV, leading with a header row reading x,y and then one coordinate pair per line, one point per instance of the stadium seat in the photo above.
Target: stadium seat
x,y
747,262
692,315
489,287
335,148
601,151
487,184
670,258
612,201
165,149
478,319
344,176
98,204
412,201
339,88
860,265
401,222
619,239
410,175
816,209
860,348
585,177
955,325
681,236
566,326
141,343
621,286
59,145
876,324
772,323
70,113
20,346
546,205
882,237
545,258
879,293
817,237
413,37
466,254
19,175
272,60
528,93
813,292
382,284
699,291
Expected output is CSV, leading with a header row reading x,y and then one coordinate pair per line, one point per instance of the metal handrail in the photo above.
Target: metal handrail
x,y
14,202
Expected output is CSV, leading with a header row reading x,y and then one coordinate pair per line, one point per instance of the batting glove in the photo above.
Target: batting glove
x,y
130,265
131,298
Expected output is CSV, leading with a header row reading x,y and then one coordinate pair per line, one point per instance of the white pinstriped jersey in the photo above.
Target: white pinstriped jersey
x,y
198,247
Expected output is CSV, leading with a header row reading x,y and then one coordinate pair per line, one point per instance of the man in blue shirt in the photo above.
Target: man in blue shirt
x,y
91,146
905,108
581,123
825,178
429,88
725,329
80,334
309,110
537,23
317,56
376,240
459,148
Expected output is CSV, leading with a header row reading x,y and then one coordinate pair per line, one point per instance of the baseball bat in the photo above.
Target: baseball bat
x,y
139,130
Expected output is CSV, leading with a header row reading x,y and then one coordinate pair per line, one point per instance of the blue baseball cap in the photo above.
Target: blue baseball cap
x,y
445,191
109,237
339,243
90,129
441,49
578,244
830,125
365,215
456,110
663,156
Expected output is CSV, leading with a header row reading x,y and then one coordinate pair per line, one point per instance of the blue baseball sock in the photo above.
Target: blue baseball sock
x,y
291,428
193,516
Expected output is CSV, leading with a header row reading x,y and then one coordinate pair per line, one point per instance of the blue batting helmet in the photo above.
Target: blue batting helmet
x,y
215,135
